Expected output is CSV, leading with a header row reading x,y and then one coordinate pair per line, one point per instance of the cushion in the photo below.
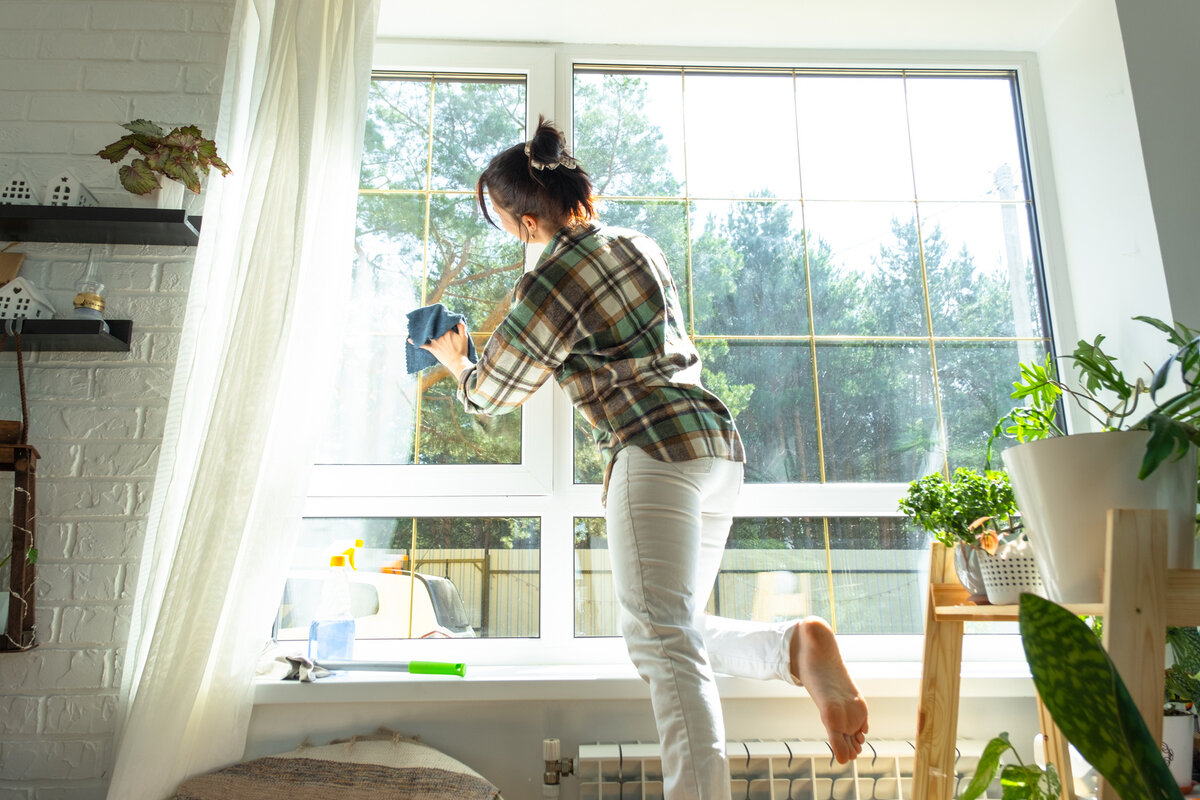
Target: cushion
x,y
383,764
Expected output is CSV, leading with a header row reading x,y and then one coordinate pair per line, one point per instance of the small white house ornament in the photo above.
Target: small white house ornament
x,y
64,189
18,191
20,299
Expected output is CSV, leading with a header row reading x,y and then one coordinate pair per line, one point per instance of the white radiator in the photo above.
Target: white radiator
x,y
770,770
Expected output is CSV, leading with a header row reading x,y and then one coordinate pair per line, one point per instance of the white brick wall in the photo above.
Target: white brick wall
x,y
70,72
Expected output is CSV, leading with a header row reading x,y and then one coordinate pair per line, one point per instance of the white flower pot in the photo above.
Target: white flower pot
x,y
1011,572
1177,744
1066,484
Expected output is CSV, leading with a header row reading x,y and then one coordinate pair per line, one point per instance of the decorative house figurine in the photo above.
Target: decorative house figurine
x,y
64,189
18,191
20,299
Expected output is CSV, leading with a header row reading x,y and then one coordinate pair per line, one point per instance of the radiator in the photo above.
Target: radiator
x,y
770,770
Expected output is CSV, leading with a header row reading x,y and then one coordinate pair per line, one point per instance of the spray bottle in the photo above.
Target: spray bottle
x,y
331,633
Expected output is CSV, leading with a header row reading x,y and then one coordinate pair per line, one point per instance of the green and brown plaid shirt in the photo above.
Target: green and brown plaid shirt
x,y
600,312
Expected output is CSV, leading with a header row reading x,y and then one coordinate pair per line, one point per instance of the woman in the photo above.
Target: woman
x,y
600,312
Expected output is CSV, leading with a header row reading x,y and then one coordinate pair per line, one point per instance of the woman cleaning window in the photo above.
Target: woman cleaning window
x,y
601,313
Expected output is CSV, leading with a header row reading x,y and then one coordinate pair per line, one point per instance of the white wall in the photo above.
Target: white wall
x,y
70,72
1105,261
1160,44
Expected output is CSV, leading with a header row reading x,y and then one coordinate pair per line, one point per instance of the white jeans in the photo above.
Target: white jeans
x,y
667,525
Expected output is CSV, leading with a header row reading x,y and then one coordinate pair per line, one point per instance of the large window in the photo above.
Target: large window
x,y
857,257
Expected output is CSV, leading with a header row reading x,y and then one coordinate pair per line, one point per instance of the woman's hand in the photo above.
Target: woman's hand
x,y
450,349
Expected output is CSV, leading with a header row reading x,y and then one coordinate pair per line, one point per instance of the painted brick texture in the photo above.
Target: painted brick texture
x,y
70,72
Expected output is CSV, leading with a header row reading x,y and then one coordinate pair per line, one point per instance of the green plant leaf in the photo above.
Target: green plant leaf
x,y
144,127
1166,437
117,150
138,178
1021,782
1079,685
986,769
31,555
219,164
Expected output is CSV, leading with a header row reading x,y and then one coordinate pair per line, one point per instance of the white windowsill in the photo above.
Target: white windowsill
x,y
590,682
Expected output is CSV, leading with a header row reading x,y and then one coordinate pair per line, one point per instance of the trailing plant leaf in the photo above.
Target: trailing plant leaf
x,y
1085,695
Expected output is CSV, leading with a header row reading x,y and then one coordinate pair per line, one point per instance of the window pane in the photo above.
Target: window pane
x,y
877,575
976,380
748,268
629,132
865,265
964,138
596,610
589,467
472,266
474,576
854,138
877,414
768,388
741,136
396,143
979,263
416,248
472,121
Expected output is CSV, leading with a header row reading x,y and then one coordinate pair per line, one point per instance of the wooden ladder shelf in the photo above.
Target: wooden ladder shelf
x,y
1138,606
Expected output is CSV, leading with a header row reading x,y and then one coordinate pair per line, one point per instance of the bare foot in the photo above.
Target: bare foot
x,y
817,663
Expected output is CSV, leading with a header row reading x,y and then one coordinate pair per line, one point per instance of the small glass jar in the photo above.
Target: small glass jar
x,y
89,300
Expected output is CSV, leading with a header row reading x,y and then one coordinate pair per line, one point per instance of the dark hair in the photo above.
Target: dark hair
x,y
546,182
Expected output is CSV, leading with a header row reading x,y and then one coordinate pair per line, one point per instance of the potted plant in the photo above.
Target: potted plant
x,y
1089,702
182,155
1091,706
1181,693
954,511
1019,781
1141,458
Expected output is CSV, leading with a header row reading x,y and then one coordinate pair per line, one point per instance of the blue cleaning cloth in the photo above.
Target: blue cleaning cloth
x,y
425,324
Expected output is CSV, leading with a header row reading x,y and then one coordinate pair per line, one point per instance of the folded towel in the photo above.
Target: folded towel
x,y
424,325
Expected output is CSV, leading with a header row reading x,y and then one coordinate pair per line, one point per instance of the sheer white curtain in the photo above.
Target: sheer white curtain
x,y
265,303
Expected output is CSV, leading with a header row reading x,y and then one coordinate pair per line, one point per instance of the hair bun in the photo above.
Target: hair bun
x,y
548,149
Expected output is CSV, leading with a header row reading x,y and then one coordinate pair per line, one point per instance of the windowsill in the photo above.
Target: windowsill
x,y
590,682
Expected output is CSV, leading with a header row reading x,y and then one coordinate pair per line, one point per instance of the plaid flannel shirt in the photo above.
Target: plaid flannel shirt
x,y
601,313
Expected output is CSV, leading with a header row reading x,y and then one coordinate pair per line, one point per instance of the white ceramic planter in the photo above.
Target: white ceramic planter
x,y
1177,748
1064,488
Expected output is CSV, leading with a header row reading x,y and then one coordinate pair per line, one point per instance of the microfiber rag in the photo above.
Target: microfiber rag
x,y
424,325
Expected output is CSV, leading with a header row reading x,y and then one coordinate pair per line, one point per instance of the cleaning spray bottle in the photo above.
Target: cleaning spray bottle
x,y
331,633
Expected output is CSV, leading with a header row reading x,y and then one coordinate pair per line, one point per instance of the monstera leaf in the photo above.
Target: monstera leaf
x,y
1088,700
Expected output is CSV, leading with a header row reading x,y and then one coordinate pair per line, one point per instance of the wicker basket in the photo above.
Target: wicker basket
x,y
1010,573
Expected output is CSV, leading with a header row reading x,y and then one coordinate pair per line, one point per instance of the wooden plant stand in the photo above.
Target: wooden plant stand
x,y
1141,599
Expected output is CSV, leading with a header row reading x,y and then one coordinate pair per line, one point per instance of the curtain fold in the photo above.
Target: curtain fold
x,y
257,355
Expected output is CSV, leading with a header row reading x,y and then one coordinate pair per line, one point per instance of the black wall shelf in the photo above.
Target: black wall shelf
x,y
71,334
154,226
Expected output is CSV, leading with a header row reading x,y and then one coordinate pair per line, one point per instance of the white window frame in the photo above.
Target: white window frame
x,y
543,485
